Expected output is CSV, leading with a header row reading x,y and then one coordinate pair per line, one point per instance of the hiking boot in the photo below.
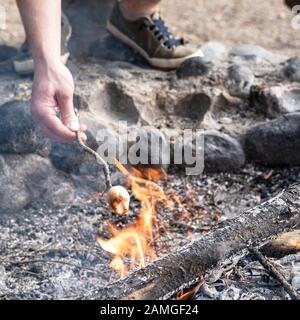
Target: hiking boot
x,y
151,38
23,62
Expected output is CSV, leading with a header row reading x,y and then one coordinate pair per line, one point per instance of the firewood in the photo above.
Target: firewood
x,y
253,228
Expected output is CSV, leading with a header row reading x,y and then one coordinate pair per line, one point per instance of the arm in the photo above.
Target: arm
x,y
53,83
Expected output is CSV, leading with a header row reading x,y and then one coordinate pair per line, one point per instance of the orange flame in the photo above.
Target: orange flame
x,y
136,241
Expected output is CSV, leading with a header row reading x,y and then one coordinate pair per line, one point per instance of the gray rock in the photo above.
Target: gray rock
x,y
68,157
194,67
222,153
122,105
19,132
291,69
194,106
213,50
7,52
30,179
253,53
275,143
148,146
239,81
276,100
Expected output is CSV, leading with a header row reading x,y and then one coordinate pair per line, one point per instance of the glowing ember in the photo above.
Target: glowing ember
x,y
136,241
190,293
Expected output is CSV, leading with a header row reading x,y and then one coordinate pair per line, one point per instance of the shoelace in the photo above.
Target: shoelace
x,y
163,34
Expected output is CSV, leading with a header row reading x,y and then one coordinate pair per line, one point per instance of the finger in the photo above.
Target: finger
x,y
83,136
54,124
52,136
68,116
83,127
49,134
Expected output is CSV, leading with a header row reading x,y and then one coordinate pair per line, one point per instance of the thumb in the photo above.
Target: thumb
x,y
68,115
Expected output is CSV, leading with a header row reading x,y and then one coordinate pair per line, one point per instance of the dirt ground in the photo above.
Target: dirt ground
x,y
266,23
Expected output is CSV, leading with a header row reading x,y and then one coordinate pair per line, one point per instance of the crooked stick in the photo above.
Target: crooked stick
x,y
98,158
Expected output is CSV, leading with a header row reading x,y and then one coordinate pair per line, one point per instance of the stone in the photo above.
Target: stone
x,y
194,67
68,157
122,104
276,142
213,50
291,69
276,100
254,53
148,146
18,131
30,179
222,153
7,52
239,81
193,106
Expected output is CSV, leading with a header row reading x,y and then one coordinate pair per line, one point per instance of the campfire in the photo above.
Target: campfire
x,y
137,241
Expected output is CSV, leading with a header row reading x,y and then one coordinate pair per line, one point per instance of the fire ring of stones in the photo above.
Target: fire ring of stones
x,y
238,110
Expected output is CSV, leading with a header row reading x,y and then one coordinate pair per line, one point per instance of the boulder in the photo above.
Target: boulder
x,y
148,146
7,52
68,157
291,69
275,143
239,81
18,131
194,67
276,100
193,106
29,179
222,153
254,53
213,50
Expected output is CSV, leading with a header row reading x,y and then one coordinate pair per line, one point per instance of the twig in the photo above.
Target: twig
x,y
98,159
271,269
97,156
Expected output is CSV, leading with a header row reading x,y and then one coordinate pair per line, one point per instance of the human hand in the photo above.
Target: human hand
x,y
53,87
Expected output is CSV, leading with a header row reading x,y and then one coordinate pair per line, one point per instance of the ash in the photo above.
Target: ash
x,y
52,253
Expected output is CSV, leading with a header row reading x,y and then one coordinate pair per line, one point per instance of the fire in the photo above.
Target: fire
x,y
136,241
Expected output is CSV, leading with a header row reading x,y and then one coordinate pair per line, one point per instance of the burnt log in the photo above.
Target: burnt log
x,y
253,228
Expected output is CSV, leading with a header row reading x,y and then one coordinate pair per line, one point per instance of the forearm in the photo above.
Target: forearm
x,y
42,23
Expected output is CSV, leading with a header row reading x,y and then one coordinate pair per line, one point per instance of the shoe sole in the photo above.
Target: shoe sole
x,y
155,62
27,66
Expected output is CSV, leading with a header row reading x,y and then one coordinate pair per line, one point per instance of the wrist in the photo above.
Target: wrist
x,y
46,61
47,64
